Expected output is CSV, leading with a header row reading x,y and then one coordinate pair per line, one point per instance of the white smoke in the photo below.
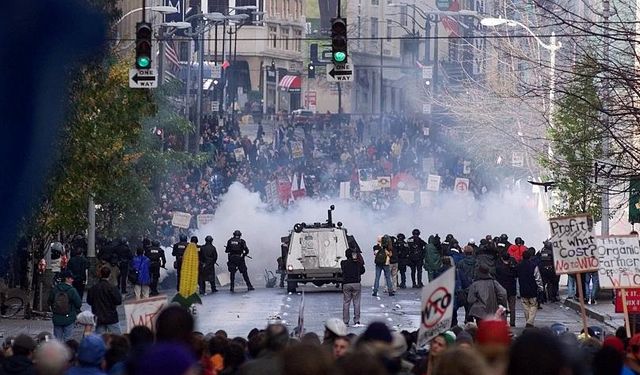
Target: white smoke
x,y
462,216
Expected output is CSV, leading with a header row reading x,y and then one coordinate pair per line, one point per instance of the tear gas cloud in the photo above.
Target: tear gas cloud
x,y
462,216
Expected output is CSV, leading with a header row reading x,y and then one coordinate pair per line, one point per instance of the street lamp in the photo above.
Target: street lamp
x,y
164,9
552,47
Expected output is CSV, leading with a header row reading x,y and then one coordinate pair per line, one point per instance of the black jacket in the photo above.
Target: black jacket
x,y
208,257
17,365
351,271
506,275
104,299
529,278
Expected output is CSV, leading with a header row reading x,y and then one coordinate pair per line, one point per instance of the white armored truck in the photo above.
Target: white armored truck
x,y
315,252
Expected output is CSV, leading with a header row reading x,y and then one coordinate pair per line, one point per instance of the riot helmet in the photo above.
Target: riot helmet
x,y
401,237
183,238
208,239
415,232
155,243
237,233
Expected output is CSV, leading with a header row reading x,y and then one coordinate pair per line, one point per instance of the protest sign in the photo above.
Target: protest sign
x,y
633,301
461,185
181,220
428,165
204,219
619,262
437,306
433,182
297,149
239,154
384,182
574,244
407,196
144,312
466,167
517,159
425,199
345,190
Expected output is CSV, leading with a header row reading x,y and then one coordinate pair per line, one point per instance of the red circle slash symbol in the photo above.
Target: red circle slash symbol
x,y
436,306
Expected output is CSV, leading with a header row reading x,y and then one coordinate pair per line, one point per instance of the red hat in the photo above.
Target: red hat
x,y
493,332
635,340
615,343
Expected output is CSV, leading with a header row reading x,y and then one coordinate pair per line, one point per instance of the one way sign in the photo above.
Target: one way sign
x,y
143,78
339,73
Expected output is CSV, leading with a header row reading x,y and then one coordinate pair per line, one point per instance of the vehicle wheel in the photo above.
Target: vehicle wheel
x,y
291,286
11,307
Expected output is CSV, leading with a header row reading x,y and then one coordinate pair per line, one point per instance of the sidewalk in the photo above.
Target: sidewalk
x,y
603,312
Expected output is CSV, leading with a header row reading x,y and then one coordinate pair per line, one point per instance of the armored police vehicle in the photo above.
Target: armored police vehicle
x,y
314,253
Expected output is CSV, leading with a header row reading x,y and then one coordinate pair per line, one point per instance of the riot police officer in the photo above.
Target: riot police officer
x,y
282,260
156,256
124,258
402,250
237,250
416,257
550,280
208,258
178,253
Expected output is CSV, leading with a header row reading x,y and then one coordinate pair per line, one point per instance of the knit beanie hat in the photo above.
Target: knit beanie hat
x,y
493,332
378,331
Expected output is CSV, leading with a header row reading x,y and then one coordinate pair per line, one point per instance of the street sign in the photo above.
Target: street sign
x,y
143,78
427,72
216,71
339,73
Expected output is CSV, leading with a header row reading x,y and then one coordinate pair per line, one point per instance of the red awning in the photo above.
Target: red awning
x,y
290,83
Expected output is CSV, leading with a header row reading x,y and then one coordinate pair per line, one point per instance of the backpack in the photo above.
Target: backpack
x,y
380,258
61,305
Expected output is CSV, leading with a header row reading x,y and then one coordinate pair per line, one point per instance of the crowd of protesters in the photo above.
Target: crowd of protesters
x,y
326,152
173,347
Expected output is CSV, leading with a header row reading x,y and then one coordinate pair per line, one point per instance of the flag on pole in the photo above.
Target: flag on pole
x,y
172,55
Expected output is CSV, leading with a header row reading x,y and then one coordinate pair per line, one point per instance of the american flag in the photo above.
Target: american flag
x,y
449,23
172,56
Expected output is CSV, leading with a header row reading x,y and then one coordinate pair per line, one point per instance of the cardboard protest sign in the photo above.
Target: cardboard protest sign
x,y
574,244
461,185
384,182
345,190
181,219
239,154
433,182
633,301
407,196
144,312
619,262
204,219
297,149
437,306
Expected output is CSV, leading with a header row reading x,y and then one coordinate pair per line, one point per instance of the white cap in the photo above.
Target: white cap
x,y
472,241
336,326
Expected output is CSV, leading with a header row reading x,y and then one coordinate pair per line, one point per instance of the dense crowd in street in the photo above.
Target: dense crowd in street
x,y
174,348
325,153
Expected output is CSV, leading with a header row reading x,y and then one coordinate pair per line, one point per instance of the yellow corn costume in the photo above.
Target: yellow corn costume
x,y
188,293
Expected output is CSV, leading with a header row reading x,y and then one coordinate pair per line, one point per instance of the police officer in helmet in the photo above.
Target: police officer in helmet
x,y
208,258
402,249
237,250
156,256
550,280
416,257
124,258
178,253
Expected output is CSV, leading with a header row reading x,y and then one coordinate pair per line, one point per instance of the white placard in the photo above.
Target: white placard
x,y
144,312
466,167
204,219
619,262
433,182
239,154
181,220
407,196
425,199
345,190
461,185
437,306
574,244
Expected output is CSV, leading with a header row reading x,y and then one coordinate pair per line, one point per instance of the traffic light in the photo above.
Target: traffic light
x,y
311,71
143,45
339,40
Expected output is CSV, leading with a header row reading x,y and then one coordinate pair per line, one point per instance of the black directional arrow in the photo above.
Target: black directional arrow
x,y
137,78
333,73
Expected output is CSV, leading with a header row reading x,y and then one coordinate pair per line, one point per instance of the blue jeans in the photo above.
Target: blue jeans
x,y
387,276
571,286
591,291
108,328
63,333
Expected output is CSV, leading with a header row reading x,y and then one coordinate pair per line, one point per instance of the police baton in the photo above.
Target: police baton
x,y
248,256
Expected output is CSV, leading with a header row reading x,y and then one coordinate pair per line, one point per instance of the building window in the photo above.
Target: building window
x,y
298,42
285,38
374,27
389,29
273,36
403,16
375,2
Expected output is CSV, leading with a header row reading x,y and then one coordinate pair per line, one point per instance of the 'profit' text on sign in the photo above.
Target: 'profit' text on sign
x,y
574,244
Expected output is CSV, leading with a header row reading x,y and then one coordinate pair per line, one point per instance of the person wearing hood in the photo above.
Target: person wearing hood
x,y
20,363
466,269
506,275
90,357
485,295
432,257
530,285
65,304
487,255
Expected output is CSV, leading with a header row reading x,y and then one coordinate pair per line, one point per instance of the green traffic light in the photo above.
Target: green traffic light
x,y
143,62
339,56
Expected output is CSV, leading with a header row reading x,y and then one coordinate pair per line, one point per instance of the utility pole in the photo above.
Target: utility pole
x,y
91,238
605,122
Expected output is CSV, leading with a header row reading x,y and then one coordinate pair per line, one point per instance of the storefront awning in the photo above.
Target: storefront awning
x,y
290,83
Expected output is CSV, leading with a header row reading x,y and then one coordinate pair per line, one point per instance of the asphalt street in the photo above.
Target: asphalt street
x,y
239,312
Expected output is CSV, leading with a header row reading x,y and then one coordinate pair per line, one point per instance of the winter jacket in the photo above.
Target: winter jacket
x,y
506,275
484,296
17,365
467,266
74,304
487,256
351,271
78,265
208,258
104,299
516,252
141,264
529,278
432,257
